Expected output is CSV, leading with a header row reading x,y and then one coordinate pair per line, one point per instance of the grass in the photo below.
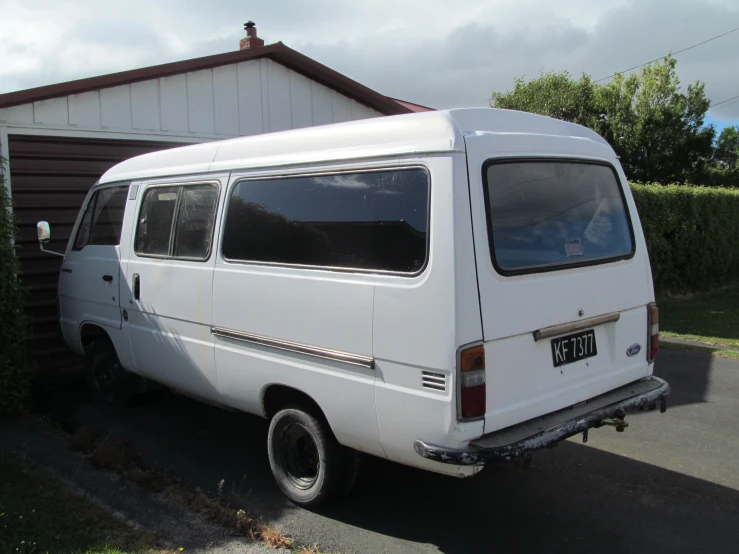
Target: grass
x,y
40,516
702,349
711,318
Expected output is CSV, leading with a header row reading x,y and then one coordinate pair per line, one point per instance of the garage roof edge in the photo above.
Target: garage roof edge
x,y
277,52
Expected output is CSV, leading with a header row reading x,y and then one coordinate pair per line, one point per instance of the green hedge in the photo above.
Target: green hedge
x,y
15,368
692,235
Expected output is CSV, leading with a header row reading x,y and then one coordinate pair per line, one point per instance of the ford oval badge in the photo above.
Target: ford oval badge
x,y
633,350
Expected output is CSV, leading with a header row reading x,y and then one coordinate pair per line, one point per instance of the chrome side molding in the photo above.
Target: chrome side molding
x,y
563,328
325,353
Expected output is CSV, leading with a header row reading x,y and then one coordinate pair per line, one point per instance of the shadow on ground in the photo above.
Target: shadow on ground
x,y
575,498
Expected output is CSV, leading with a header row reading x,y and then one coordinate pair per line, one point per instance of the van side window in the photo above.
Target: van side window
x,y
374,220
195,222
103,218
177,221
83,231
154,228
107,219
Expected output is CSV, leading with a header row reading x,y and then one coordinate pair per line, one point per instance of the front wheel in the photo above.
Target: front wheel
x,y
308,463
106,379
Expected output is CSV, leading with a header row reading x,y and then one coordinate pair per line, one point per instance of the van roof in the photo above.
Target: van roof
x,y
418,133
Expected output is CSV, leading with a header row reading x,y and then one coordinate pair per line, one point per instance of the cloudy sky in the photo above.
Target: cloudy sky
x,y
434,52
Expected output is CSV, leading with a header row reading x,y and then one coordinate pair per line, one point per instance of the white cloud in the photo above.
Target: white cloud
x,y
426,51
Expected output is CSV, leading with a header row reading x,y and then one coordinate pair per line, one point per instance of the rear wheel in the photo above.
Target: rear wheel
x,y
308,463
106,379
352,470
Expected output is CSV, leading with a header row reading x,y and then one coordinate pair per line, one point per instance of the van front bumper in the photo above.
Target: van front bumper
x,y
521,440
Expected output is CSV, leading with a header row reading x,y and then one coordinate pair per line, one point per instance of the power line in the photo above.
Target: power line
x,y
731,100
674,54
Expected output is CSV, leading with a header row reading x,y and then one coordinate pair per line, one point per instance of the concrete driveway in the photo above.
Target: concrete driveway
x,y
670,483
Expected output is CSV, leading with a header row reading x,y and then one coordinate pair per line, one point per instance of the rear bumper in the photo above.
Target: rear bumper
x,y
522,439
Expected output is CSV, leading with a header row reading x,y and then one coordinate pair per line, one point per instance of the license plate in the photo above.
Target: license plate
x,y
572,348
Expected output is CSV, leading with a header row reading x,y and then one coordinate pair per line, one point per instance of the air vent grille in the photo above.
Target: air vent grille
x,y
434,381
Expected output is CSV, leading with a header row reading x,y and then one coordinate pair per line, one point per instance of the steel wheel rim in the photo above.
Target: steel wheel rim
x,y
299,455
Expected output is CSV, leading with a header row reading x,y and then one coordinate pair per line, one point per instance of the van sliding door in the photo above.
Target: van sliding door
x,y
170,281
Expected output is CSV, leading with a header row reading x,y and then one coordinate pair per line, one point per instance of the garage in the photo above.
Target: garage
x,y
57,140
51,176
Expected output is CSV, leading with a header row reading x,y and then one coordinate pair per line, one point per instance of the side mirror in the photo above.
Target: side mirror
x,y
44,235
43,231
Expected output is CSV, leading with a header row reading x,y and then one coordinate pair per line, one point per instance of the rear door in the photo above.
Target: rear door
x,y
90,276
562,271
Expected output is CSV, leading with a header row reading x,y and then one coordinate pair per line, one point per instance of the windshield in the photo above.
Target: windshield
x,y
543,215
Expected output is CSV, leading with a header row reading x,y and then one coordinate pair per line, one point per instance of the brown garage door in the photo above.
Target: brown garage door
x,y
50,177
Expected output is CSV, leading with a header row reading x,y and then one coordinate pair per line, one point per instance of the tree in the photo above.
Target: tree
x,y
14,362
658,131
724,170
556,95
726,153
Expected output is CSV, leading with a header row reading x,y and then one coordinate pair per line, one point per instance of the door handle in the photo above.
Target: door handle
x,y
136,286
108,278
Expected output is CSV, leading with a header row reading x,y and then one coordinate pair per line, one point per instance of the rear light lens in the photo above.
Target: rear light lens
x,y
472,359
653,330
473,402
472,382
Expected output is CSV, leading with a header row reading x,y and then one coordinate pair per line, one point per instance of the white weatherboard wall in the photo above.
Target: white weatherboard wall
x,y
247,98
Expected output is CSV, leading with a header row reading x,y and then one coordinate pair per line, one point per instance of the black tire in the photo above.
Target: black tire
x,y
352,470
106,379
308,463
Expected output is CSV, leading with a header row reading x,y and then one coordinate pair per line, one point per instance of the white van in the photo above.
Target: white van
x,y
443,289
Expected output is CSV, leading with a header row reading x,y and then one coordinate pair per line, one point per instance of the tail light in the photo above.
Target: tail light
x,y
471,366
653,327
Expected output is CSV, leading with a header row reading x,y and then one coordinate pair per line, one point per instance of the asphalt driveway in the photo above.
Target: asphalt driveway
x,y
670,483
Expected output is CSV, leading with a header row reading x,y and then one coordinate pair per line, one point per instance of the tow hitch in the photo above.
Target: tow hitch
x,y
618,420
619,423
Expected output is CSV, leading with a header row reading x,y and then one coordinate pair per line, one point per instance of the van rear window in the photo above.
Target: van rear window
x,y
544,215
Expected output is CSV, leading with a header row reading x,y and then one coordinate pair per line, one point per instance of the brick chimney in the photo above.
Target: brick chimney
x,y
251,40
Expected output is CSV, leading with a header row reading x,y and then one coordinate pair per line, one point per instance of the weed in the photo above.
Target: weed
x,y
204,505
237,492
273,537
217,510
117,456
309,550
243,522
